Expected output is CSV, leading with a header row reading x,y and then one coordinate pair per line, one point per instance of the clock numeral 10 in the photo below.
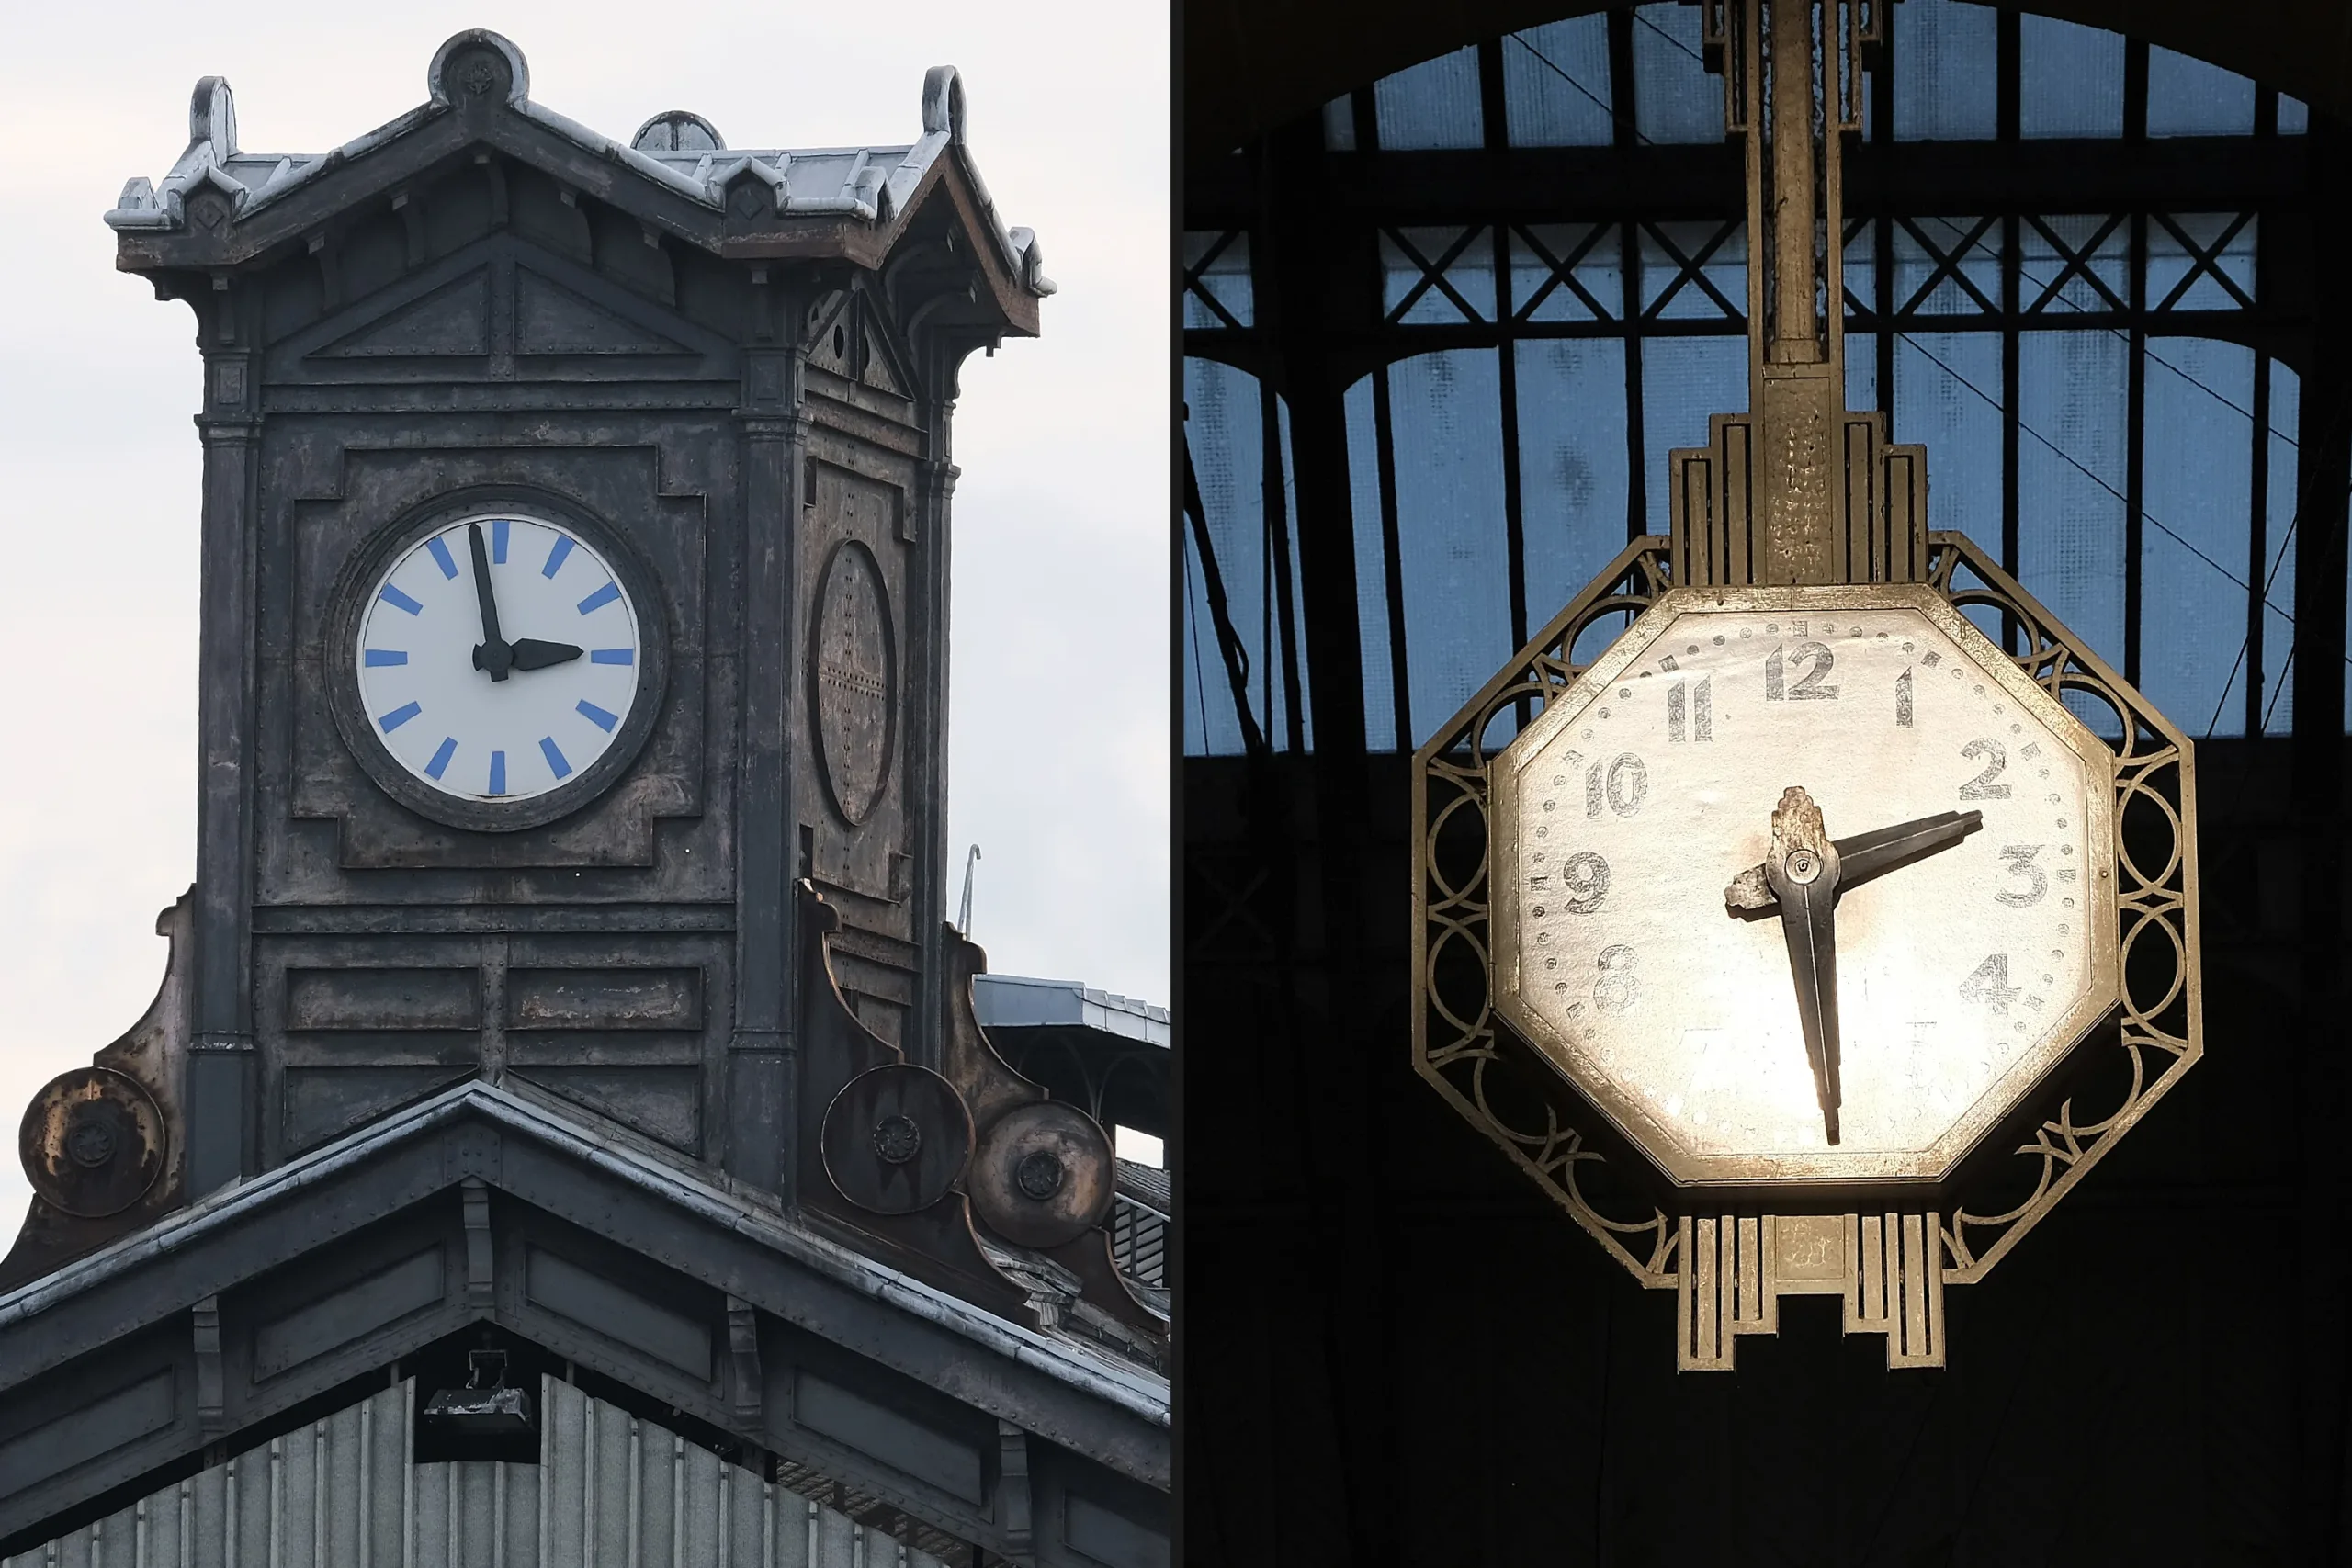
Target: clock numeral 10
x,y
1691,715
1989,984
1623,789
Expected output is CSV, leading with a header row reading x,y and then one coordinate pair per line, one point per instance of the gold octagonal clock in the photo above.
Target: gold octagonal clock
x,y
1819,907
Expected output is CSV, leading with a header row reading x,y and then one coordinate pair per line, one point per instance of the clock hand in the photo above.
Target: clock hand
x,y
1804,871
1864,855
492,654
532,654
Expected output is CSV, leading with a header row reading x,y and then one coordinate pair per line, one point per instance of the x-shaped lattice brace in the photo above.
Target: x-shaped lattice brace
x,y
1690,269
1196,279
1433,275
2204,261
1947,265
1563,271
2077,260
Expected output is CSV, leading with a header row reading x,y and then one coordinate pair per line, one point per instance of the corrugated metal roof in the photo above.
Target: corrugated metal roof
x,y
1015,1002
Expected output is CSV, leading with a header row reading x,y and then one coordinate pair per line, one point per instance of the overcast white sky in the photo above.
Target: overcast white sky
x,y
1059,751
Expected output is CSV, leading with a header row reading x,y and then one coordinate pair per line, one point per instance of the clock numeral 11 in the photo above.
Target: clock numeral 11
x,y
1690,715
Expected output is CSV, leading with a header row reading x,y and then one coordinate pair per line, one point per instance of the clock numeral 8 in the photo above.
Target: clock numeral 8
x,y
1616,991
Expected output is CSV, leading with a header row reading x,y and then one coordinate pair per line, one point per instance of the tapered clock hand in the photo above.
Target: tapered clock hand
x,y
1803,872
491,655
532,654
1864,855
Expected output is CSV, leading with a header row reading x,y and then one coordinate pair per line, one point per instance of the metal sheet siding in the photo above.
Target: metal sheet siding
x,y
611,1491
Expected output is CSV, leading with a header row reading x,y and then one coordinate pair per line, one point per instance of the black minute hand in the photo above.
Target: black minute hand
x,y
492,654
1802,870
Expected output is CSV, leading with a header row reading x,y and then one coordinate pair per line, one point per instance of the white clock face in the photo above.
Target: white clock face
x,y
1962,974
498,658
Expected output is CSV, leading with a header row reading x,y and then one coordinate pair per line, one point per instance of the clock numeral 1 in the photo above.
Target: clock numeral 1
x,y
1690,715
1902,699
1623,789
1989,984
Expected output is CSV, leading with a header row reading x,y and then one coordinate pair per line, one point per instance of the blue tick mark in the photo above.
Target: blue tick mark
x,y
612,656
441,557
555,758
400,601
400,715
440,763
555,556
380,657
498,773
599,598
597,715
498,542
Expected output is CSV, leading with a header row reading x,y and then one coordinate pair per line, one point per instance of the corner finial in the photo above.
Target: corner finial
x,y
477,66
942,102
212,117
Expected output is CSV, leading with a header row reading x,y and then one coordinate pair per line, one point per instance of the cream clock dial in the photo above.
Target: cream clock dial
x,y
1805,884
502,665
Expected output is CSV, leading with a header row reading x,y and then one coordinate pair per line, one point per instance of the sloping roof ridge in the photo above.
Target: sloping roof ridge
x,y
883,182
1131,1389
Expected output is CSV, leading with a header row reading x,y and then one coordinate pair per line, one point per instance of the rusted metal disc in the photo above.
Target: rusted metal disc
x,y
92,1141
896,1138
1043,1174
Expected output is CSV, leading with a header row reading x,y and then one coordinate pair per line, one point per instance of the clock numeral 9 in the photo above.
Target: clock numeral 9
x,y
1585,877
1808,689
1616,991
1696,724
1997,758
2018,861
1623,789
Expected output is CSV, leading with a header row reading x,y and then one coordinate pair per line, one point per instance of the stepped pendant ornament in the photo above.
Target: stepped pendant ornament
x,y
1816,935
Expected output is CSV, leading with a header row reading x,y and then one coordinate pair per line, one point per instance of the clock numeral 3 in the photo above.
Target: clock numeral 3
x,y
1585,875
1622,787
1616,991
1698,721
1809,688
1982,786
1989,984
2018,861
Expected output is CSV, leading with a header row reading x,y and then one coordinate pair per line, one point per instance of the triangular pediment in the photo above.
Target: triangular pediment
x,y
223,1321
552,318
452,319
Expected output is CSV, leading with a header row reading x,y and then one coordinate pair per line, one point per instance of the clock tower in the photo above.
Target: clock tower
x,y
570,830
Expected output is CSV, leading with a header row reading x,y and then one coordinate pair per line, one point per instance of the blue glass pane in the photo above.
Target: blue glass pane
x,y
2070,79
1945,76
1445,417
2071,475
1556,84
1861,370
1684,379
1292,607
1947,394
1674,99
2196,492
1205,702
1571,465
2070,263
1339,124
2187,96
2278,684
1226,435
2294,118
1371,570
1434,103
1970,286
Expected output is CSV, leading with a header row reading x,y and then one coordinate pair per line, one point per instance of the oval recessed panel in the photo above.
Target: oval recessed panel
x,y
856,680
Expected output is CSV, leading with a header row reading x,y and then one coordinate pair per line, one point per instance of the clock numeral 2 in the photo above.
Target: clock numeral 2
x,y
1809,688
1696,724
1997,758
1989,984
1623,789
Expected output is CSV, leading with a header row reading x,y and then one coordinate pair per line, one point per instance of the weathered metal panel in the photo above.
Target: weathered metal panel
x,y
609,1489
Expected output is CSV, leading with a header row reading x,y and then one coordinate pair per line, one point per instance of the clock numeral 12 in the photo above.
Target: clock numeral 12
x,y
1809,687
1698,721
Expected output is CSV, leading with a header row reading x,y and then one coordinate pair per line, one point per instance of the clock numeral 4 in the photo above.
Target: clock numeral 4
x,y
2018,859
1989,984
1996,758
1809,688
1691,715
1621,786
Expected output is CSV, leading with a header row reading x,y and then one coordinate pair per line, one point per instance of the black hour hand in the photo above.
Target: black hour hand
x,y
529,653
